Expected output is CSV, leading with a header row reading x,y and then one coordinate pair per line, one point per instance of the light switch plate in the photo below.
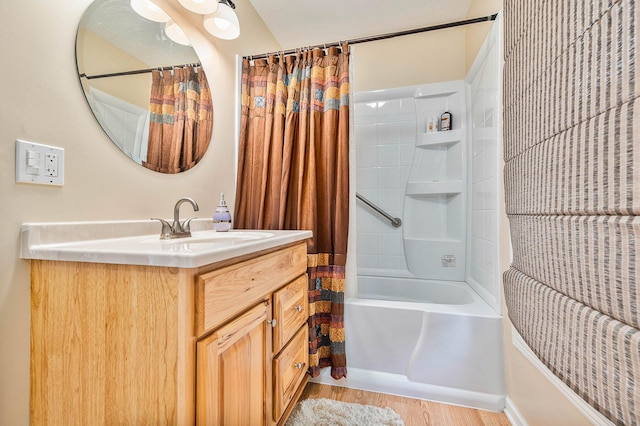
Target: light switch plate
x,y
39,164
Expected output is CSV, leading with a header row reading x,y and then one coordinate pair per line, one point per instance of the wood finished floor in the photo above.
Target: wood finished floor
x,y
414,412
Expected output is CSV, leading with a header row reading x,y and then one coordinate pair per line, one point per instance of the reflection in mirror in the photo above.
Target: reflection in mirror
x,y
147,91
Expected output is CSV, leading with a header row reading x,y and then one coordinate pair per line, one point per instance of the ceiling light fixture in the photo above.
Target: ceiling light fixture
x,y
175,33
202,7
223,23
149,10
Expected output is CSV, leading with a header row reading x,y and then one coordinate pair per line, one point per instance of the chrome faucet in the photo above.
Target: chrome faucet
x,y
177,229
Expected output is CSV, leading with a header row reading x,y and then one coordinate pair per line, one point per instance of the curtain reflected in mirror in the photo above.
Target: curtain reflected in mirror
x,y
180,121
149,93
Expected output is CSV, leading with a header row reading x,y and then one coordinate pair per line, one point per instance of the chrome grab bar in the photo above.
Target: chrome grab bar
x,y
395,221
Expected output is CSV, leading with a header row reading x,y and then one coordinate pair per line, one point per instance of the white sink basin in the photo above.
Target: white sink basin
x,y
137,243
213,237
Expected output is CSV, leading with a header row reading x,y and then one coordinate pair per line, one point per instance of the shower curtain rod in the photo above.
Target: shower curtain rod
x,y
118,74
381,36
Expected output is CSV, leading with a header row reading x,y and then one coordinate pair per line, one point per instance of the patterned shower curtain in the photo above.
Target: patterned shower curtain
x,y
293,173
181,120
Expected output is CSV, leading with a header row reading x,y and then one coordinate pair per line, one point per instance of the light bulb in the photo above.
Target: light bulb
x,y
149,10
175,33
202,7
223,24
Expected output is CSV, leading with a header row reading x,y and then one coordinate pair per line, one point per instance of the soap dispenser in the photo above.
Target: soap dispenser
x,y
222,217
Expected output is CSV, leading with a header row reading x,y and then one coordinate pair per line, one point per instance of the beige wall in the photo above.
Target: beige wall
x,y
476,33
429,57
409,60
98,58
42,102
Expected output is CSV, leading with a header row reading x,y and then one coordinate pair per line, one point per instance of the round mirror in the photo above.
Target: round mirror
x,y
144,84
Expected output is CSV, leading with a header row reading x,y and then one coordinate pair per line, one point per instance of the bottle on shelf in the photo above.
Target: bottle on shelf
x,y
446,121
432,125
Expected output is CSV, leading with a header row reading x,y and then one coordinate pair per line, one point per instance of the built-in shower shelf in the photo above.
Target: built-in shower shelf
x,y
433,217
435,187
438,90
439,139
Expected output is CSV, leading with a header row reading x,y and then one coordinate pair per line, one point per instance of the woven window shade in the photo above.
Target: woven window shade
x,y
572,189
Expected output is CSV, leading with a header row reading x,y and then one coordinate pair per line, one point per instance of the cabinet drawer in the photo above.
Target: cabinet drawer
x,y
291,310
226,292
289,369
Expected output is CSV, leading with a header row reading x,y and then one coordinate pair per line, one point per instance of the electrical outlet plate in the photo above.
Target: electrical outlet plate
x,y
39,164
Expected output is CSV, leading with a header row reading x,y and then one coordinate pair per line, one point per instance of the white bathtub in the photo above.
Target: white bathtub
x,y
435,340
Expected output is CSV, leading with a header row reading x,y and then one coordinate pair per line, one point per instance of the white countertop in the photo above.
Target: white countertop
x,y
139,243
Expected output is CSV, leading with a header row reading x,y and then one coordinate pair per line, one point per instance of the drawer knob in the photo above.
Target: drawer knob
x,y
299,365
298,308
272,322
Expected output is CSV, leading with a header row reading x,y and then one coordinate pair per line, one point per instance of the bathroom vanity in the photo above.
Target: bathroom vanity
x,y
209,330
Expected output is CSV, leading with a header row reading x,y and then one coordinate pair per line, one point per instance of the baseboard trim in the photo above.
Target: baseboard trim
x,y
512,413
587,410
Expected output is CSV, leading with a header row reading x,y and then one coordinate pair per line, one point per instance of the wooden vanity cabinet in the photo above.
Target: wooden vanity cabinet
x,y
250,306
124,344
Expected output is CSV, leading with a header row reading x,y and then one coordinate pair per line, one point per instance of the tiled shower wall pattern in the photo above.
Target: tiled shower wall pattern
x,y
385,136
482,264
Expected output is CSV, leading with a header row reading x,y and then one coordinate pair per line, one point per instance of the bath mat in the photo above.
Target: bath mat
x,y
327,412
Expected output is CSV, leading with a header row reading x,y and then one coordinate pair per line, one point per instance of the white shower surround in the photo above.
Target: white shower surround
x,y
428,338
417,176
384,133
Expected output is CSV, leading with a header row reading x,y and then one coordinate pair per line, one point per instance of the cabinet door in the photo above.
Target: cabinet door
x,y
234,371
290,310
